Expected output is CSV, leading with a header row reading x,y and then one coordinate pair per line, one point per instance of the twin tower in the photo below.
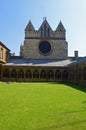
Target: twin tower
x,y
44,43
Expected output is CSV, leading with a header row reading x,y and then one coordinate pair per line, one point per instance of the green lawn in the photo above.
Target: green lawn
x,y
42,106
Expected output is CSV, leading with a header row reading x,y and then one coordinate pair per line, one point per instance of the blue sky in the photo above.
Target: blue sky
x,y
15,15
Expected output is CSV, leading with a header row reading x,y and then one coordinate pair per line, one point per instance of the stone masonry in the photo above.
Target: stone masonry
x,y
33,38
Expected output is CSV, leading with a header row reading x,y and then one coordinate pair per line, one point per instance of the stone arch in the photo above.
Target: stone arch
x,y
13,73
65,74
20,73
28,74
35,74
6,73
43,74
50,74
58,74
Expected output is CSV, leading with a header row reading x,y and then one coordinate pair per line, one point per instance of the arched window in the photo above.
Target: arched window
x,y
6,73
58,74
13,74
48,32
43,74
45,30
20,73
35,74
28,74
1,53
50,74
65,75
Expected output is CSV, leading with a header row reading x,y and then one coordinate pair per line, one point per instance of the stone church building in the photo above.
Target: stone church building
x,y
44,57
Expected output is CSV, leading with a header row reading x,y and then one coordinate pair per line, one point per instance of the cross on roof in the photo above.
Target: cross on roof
x,y
44,18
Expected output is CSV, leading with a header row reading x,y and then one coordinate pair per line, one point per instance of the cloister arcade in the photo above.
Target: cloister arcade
x,y
77,74
34,74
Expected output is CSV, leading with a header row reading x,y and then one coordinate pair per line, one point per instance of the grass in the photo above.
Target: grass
x,y
42,106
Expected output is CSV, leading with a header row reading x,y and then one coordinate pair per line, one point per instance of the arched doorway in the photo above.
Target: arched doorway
x,y
6,73
58,75
43,74
36,74
28,74
13,74
64,75
50,74
20,73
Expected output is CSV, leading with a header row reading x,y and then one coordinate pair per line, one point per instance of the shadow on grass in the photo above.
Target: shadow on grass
x,y
83,89
80,88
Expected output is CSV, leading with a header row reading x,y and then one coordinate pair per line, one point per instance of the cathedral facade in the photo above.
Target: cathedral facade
x,y
44,43
44,57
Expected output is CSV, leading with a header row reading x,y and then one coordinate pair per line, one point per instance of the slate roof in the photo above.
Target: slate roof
x,y
79,61
40,62
18,61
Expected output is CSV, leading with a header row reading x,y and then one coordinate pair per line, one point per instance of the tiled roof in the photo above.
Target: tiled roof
x,y
78,61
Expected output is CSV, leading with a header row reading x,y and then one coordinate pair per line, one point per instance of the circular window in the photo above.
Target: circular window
x,y
44,47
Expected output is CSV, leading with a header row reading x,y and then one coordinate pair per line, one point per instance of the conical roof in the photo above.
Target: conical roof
x,y
60,28
43,25
29,27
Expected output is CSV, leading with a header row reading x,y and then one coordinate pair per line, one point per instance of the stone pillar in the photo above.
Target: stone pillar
x,y
61,74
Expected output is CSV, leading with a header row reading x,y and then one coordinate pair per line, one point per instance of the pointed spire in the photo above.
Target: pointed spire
x,y
29,27
21,46
21,49
45,23
60,27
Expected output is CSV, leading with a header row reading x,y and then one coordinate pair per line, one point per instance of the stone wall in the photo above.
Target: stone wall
x,y
57,40
3,54
59,49
77,74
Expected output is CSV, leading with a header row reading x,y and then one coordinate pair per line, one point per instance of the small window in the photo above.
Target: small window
x,y
41,32
48,32
44,30
1,53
